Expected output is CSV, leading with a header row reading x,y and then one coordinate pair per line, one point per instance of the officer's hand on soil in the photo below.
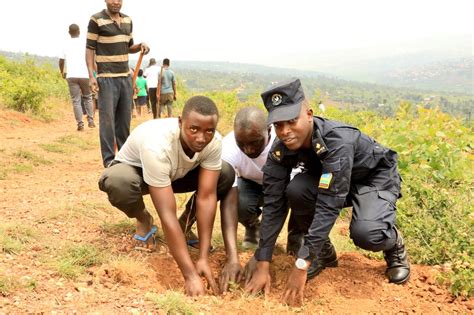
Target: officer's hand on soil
x,y
294,289
193,286
260,279
249,270
232,272
203,269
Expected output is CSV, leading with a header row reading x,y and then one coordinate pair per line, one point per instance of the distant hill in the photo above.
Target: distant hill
x,y
454,75
442,63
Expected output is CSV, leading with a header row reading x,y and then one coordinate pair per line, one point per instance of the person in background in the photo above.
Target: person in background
x,y
109,41
73,59
167,82
151,74
141,93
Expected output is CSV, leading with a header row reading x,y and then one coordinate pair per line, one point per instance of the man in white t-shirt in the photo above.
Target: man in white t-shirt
x,y
151,74
167,156
72,65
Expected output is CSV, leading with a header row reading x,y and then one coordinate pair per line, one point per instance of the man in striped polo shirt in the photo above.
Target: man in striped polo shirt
x,y
109,41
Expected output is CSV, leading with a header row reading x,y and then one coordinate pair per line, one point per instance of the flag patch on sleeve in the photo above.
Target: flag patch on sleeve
x,y
325,180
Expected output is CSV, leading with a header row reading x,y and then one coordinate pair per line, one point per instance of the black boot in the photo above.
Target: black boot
x,y
252,235
327,258
398,268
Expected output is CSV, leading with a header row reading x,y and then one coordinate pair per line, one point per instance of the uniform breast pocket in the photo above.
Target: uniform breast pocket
x,y
333,180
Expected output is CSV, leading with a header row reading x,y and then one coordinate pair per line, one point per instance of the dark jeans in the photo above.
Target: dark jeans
x,y
125,186
153,100
373,212
251,203
115,99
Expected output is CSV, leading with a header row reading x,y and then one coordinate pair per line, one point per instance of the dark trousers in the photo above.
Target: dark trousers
x,y
251,203
153,100
115,99
125,186
373,212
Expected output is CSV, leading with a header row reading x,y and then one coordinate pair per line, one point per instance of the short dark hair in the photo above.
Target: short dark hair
x,y
140,72
250,117
73,29
166,62
200,104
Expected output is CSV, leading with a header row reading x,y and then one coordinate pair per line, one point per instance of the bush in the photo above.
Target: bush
x,y
435,161
25,87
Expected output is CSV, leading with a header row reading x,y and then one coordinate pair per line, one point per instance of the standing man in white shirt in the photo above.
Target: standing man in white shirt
x,y
72,65
151,74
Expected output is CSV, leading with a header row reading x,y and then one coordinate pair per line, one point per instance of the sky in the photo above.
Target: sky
x,y
248,31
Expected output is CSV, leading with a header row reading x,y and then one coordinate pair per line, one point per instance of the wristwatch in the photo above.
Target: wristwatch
x,y
301,264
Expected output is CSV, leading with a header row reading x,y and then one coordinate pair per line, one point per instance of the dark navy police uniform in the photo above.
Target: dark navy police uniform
x,y
345,167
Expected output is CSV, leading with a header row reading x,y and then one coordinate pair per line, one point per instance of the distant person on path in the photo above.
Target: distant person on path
x,y
168,94
141,93
109,41
345,168
167,156
73,61
151,74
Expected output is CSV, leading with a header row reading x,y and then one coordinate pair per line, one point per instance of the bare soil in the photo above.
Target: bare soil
x,y
57,199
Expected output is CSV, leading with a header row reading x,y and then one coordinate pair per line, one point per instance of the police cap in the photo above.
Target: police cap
x,y
283,100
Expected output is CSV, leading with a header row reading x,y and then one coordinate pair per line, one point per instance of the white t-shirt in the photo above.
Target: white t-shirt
x,y
155,147
243,165
74,53
151,74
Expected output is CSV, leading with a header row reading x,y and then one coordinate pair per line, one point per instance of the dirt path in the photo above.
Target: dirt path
x,y
50,205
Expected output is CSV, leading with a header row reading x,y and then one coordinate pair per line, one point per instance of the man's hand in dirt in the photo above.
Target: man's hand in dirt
x,y
93,85
249,269
193,286
232,272
203,269
260,279
294,288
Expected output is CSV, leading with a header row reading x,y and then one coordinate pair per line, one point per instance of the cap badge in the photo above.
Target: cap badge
x,y
276,99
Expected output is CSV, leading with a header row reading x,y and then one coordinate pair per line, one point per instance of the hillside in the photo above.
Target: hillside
x,y
65,249
248,80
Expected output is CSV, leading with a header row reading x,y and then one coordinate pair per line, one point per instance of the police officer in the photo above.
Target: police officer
x,y
344,168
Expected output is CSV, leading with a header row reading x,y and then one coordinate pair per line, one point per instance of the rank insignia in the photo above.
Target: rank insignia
x,y
325,180
276,155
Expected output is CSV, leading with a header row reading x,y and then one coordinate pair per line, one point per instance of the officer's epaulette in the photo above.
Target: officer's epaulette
x,y
279,150
319,145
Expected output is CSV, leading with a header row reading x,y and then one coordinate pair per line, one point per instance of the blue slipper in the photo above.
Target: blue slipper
x,y
145,238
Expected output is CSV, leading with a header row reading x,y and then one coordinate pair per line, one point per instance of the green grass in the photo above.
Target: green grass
x,y
53,147
74,260
13,237
31,157
171,303
125,226
7,284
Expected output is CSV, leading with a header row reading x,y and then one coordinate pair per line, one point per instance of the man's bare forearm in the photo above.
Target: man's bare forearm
x,y
229,219
90,61
205,214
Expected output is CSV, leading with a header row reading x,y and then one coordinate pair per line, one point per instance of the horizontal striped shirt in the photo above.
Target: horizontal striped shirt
x,y
110,43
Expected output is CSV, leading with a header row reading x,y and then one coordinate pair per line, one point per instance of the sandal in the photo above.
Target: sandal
x,y
145,239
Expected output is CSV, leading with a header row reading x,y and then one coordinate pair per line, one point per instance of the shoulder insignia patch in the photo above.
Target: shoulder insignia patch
x,y
276,155
325,180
